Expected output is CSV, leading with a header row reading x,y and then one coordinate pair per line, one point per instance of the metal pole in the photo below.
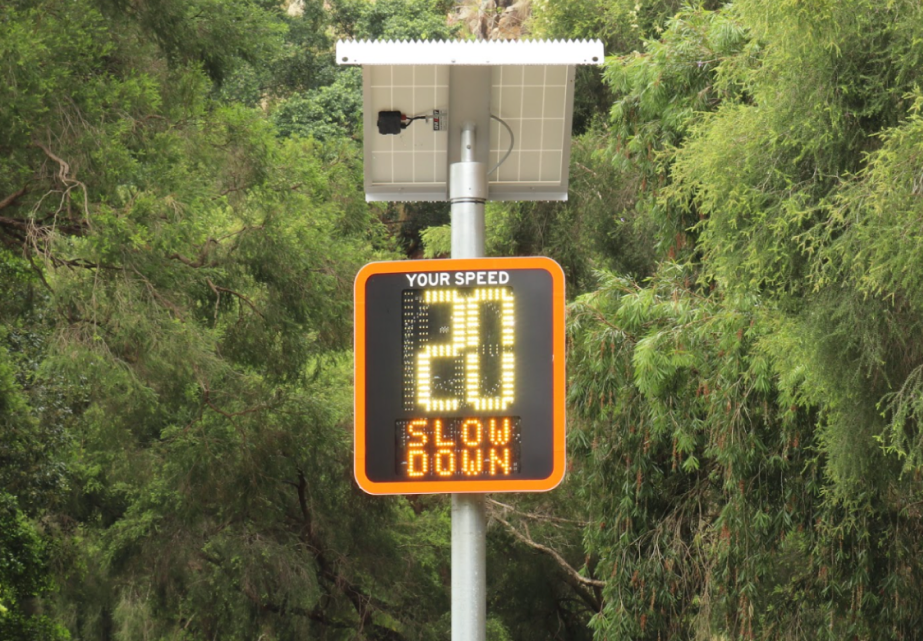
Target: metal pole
x,y
467,193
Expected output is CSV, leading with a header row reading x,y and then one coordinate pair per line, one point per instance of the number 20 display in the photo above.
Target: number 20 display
x,y
459,376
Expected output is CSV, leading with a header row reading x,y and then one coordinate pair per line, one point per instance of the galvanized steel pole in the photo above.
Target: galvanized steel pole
x,y
467,193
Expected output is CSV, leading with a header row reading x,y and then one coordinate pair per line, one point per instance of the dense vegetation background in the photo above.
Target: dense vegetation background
x,y
181,219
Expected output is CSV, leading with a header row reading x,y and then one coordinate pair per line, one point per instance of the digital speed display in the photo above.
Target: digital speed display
x,y
459,376
457,447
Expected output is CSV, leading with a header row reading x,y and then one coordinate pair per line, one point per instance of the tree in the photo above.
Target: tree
x,y
27,472
194,271
745,417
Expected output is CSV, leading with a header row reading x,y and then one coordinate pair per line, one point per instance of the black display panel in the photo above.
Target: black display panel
x,y
459,376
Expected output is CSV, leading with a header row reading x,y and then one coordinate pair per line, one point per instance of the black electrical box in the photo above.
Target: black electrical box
x,y
389,122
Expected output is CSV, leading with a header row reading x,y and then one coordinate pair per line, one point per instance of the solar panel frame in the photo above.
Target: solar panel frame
x,y
418,151
530,86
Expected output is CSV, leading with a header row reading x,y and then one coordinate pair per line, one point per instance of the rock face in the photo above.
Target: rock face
x,y
294,7
496,19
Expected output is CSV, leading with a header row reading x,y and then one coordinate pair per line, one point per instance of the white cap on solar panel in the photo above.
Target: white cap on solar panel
x,y
530,86
470,52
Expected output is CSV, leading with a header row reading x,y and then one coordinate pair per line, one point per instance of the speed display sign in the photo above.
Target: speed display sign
x,y
459,376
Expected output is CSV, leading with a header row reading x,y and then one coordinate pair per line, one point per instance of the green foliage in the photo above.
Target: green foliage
x,y
182,280
23,578
327,113
393,20
749,418
598,226
30,467
624,26
662,90
301,63
774,162
31,478
778,183
181,218
24,470
209,33
530,591
704,472
330,107
660,94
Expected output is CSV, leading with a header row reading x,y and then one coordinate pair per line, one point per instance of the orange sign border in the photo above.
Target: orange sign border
x,y
557,350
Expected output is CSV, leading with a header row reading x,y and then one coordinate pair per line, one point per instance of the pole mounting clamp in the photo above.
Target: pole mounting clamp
x,y
468,182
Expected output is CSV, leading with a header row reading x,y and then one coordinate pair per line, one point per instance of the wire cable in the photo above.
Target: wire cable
x,y
508,151
406,121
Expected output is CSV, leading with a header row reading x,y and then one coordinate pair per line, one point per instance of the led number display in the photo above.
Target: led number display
x,y
460,376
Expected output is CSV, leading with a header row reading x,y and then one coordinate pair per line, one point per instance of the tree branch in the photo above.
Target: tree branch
x,y
552,553
12,222
228,415
581,584
9,200
195,264
218,289
537,517
363,603
63,174
155,294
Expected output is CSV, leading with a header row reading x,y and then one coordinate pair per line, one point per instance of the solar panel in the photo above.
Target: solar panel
x,y
411,165
521,88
